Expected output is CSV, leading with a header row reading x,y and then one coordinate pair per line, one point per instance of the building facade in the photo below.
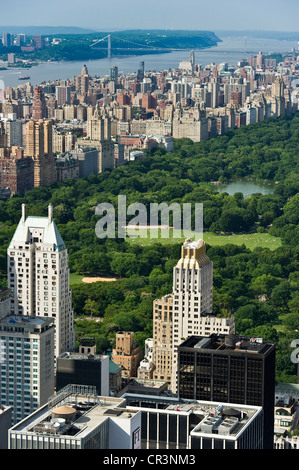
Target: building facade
x,y
126,354
230,368
39,147
83,369
38,276
79,419
27,364
187,311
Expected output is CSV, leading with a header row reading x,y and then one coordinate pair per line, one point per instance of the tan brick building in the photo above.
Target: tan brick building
x,y
39,147
126,354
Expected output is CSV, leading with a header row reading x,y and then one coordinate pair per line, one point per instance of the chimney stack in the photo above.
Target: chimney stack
x,y
50,213
23,213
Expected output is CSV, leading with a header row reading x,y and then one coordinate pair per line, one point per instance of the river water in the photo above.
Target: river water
x,y
231,50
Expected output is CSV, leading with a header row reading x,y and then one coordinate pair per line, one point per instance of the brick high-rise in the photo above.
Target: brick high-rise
x,y
39,108
17,171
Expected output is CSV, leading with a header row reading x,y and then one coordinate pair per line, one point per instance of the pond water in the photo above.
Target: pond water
x,y
247,187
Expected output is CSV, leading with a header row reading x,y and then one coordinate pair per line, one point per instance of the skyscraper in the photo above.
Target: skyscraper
x,y
27,366
231,369
39,108
39,147
7,40
187,312
140,73
114,73
38,276
82,81
38,42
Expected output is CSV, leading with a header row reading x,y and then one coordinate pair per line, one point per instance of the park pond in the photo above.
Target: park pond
x,y
246,187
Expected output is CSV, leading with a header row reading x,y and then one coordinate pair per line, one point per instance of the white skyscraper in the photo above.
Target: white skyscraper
x,y
38,276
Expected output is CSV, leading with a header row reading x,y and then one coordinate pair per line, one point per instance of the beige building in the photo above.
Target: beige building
x,y
162,346
186,312
190,123
99,137
39,146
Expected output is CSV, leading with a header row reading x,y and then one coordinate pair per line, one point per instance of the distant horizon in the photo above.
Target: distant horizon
x,y
148,29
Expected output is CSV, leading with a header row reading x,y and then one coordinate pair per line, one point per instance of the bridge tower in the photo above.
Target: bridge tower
x,y
109,46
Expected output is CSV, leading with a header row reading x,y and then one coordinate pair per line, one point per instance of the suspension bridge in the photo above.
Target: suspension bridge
x,y
113,43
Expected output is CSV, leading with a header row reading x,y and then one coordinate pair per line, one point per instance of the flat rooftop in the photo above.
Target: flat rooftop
x,y
80,356
205,416
25,322
73,415
227,343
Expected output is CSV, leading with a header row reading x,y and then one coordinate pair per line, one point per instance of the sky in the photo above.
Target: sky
x,y
213,15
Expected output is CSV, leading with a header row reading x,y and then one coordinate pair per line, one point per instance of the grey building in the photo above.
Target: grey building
x,y
83,369
88,161
26,363
5,424
173,423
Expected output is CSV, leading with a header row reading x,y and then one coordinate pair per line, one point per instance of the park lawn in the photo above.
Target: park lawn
x,y
251,240
75,279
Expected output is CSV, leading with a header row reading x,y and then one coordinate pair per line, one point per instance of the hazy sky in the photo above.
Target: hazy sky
x,y
280,15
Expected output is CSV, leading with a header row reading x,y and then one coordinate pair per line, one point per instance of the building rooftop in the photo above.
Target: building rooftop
x,y
205,416
26,323
228,342
75,411
193,254
80,356
51,233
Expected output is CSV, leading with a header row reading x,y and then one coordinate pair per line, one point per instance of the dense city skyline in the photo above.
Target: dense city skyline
x,y
229,15
149,299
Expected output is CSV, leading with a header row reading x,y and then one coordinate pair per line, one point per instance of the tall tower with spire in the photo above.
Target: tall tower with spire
x,y
38,276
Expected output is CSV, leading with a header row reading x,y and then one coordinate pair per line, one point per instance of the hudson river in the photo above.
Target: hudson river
x,y
231,50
